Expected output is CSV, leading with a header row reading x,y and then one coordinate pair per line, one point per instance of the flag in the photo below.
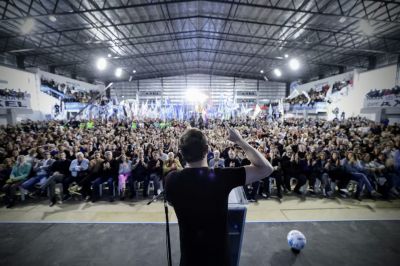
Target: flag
x,y
257,110
307,96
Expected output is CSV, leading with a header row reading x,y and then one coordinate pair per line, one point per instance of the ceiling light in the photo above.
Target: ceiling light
x,y
134,71
118,72
27,26
101,63
342,19
277,72
52,18
286,55
366,27
194,95
294,64
109,55
261,71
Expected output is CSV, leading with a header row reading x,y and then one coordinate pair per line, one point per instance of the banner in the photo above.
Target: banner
x,y
74,107
319,107
18,103
385,101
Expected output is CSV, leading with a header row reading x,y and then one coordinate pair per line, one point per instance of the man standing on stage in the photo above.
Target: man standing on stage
x,y
200,197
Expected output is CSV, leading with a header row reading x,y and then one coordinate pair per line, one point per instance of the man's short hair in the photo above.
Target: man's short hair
x,y
193,145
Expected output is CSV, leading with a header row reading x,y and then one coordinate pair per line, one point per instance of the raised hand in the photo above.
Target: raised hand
x,y
233,134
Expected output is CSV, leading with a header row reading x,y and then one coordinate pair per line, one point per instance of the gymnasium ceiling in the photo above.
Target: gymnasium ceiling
x,y
231,38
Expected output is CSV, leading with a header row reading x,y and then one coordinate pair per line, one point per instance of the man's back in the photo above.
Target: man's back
x,y
200,200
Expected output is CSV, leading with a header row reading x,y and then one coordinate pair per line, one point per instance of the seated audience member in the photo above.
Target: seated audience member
x,y
5,171
337,174
250,193
108,173
19,173
139,173
59,170
320,171
171,164
350,165
232,160
85,184
385,168
79,170
216,162
155,168
124,172
276,174
41,171
291,169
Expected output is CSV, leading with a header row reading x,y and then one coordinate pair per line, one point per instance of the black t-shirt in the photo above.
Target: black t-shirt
x,y
200,200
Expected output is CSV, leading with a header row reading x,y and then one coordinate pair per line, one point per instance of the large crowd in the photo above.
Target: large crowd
x,y
379,94
71,94
316,95
309,157
13,94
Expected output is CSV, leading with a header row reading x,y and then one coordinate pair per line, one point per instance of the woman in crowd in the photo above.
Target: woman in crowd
x,y
124,172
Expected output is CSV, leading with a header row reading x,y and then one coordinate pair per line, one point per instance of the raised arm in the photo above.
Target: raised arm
x,y
260,167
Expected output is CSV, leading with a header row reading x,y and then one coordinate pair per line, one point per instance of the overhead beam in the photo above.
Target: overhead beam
x,y
172,52
210,17
264,5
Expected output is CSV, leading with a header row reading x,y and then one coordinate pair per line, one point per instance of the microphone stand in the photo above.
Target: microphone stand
x,y
159,196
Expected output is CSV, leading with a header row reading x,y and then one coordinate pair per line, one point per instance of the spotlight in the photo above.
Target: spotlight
x,y
134,71
101,63
366,27
194,95
294,64
277,72
262,71
109,55
27,26
286,55
342,19
52,18
118,72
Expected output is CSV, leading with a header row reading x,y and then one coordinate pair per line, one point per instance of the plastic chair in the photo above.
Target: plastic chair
x,y
106,183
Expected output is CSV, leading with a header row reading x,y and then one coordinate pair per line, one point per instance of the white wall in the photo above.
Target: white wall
x,y
382,78
41,103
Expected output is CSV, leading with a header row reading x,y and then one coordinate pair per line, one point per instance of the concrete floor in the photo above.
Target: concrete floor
x,y
328,243
289,209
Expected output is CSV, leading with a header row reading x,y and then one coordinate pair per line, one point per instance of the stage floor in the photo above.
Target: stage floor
x,y
291,208
328,243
